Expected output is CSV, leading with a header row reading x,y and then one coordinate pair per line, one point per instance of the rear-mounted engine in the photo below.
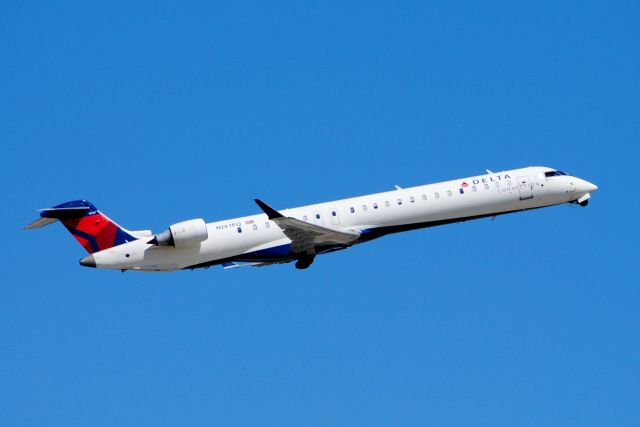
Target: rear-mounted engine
x,y
182,234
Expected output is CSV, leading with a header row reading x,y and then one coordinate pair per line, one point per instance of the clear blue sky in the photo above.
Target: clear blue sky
x,y
164,112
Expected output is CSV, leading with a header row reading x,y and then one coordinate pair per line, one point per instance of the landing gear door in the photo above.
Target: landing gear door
x,y
526,189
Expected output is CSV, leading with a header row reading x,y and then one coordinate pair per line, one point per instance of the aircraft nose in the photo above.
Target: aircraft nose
x,y
582,186
88,261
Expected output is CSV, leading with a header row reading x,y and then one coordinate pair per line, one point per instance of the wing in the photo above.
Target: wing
x,y
306,238
230,265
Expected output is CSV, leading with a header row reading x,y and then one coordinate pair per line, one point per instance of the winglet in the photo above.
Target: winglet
x,y
271,213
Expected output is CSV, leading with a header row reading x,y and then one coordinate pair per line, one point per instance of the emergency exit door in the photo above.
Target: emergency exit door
x,y
335,219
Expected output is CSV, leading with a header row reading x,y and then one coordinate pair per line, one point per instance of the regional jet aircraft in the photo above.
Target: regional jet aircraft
x,y
300,234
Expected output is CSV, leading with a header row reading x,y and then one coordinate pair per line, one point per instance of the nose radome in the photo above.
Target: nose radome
x,y
590,187
88,261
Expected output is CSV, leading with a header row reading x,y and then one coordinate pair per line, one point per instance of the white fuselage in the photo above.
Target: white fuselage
x,y
255,238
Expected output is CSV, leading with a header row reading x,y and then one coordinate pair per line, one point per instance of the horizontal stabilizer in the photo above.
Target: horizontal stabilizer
x,y
65,213
51,215
40,222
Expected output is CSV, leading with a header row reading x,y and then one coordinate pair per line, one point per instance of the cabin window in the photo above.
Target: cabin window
x,y
486,186
462,191
449,193
255,227
267,225
386,203
424,197
497,184
239,229
305,218
317,216
399,201
436,195
352,209
333,213
375,206
474,188
412,199
509,183
364,208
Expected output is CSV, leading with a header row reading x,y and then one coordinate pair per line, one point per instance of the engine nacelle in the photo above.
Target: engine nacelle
x,y
182,234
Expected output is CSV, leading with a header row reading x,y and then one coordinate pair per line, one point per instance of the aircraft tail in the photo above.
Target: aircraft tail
x,y
90,227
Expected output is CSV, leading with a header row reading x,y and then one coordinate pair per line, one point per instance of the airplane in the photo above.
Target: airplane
x,y
300,234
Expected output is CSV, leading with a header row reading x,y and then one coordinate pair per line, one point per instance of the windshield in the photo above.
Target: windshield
x,y
554,173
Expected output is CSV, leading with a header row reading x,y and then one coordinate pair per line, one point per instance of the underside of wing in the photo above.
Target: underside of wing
x,y
230,265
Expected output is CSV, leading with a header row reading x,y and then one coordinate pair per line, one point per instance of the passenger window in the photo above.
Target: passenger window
x,y
486,186
267,225
305,218
333,213
375,206
352,209
474,188
239,229
386,203
449,193
255,227
436,195
424,197
317,216
508,183
497,184
399,201
364,208
462,191
412,199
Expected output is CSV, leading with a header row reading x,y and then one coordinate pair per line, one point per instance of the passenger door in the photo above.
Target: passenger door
x,y
526,189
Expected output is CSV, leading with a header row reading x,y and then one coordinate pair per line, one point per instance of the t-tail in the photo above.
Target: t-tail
x,y
91,228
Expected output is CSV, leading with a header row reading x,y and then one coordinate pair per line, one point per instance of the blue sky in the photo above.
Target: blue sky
x,y
161,112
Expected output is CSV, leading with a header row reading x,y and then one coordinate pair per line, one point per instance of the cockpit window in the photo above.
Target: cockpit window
x,y
554,173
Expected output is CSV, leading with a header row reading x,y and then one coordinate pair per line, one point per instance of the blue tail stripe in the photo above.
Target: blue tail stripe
x,y
88,237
